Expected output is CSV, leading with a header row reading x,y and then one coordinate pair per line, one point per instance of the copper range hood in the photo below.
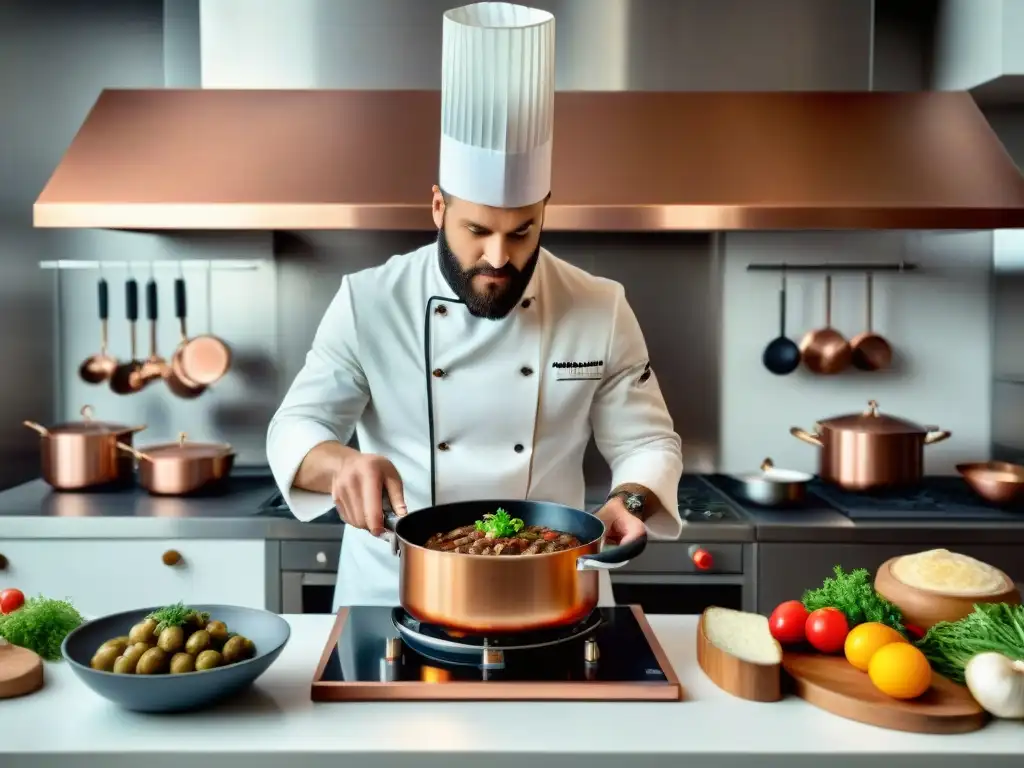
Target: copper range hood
x,y
625,161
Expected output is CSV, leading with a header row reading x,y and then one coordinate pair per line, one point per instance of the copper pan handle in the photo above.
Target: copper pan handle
x,y
807,437
133,451
936,436
134,430
43,431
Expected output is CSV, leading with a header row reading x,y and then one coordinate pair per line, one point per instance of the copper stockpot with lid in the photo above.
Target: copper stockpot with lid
x,y
80,455
181,468
870,450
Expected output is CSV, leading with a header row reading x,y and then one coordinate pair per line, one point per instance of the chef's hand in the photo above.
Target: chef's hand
x,y
358,489
621,526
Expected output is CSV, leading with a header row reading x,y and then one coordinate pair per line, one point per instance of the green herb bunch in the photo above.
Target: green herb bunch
x,y
499,525
997,627
41,625
854,594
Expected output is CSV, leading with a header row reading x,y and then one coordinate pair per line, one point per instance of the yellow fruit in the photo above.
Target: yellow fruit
x,y
900,670
865,639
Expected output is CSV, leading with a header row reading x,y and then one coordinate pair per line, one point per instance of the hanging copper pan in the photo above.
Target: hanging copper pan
x,y
201,360
180,468
825,351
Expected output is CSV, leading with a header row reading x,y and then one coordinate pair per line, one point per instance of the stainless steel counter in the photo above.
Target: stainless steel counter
x,y
33,510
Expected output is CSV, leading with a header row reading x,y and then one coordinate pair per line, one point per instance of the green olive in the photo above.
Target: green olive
x,y
126,663
105,658
152,662
218,632
250,647
120,643
198,642
142,632
171,639
182,663
207,660
234,649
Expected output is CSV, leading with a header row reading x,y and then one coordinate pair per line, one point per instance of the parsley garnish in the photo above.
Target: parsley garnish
x,y
177,615
499,525
854,594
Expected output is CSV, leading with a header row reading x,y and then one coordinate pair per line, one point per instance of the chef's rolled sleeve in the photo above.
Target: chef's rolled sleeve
x,y
632,426
323,404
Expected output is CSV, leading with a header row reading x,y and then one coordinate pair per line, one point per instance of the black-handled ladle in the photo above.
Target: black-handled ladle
x,y
782,355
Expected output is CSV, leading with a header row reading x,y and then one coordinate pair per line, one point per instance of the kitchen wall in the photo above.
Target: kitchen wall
x,y
706,318
937,319
55,58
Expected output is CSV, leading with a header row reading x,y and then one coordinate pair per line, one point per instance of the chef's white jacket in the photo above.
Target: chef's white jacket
x,y
469,408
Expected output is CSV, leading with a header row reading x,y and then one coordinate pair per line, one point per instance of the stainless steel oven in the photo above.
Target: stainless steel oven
x,y
687,577
309,570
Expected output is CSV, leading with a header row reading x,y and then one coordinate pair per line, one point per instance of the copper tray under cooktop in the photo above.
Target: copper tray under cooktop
x,y
367,658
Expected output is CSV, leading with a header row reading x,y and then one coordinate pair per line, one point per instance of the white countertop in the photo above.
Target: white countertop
x,y
66,724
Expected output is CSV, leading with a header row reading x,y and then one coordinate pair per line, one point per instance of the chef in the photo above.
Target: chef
x,y
478,366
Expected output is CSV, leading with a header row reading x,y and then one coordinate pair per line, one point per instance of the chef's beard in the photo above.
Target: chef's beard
x,y
496,300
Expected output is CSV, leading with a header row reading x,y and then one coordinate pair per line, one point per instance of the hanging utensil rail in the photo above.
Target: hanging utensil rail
x,y
863,266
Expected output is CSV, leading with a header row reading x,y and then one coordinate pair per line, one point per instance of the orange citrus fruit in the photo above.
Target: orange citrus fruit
x,y
865,639
900,670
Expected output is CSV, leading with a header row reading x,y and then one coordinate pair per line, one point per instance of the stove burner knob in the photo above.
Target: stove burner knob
x,y
392,649
702,559
321,557
591,653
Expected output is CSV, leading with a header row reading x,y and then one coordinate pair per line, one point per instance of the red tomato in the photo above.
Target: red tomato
x,y
827,629
550,535
915,632
787,622
11,600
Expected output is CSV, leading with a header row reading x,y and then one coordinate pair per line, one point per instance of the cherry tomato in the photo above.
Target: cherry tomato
x,y
11,600
826,629
915,632
550,535
787,622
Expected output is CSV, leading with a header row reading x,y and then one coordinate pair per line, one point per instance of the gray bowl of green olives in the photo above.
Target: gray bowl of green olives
x,y
175,658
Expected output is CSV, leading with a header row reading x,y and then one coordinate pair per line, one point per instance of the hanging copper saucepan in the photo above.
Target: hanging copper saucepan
x,y
825,351
503,594
79,455
198,361
100,367
181,468
153,367
125,378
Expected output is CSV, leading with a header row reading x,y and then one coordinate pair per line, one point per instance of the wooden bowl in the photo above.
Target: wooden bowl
x,y
924,607
745,679
995,481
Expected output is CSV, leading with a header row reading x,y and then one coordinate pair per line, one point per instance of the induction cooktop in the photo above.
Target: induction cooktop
x,y
382,653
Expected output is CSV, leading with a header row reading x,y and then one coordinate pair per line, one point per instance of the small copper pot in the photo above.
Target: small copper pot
x,y
181,468
867,451
80,455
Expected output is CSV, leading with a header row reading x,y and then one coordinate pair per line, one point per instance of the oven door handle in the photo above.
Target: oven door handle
x,y
319,579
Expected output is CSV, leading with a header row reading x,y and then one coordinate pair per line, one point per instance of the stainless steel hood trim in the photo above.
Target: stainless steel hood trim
x,y
625,161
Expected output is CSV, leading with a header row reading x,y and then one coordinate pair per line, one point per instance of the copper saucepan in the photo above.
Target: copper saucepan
x,y
177,469
825,351
201,360
78,455
869,450
494,595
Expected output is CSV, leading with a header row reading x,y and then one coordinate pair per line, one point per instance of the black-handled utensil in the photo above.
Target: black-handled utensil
x,y
782,355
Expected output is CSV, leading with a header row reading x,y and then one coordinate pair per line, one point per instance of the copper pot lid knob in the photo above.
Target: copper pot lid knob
x,y
767,465
872,409
181,439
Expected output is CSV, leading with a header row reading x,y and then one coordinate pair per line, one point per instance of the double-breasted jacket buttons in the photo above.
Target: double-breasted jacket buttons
x,y
443,446
439,373
518,448
526,303
526,370
441,309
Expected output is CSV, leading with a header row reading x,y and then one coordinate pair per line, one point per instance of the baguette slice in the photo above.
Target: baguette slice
x,y
737,651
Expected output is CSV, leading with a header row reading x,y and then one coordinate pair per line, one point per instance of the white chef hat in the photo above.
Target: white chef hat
x,y
497,104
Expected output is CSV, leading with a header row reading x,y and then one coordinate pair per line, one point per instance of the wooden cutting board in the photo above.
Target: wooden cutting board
x,y
835,685
21,671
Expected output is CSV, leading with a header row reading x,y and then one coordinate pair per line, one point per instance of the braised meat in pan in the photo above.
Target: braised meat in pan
x,y
499,534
